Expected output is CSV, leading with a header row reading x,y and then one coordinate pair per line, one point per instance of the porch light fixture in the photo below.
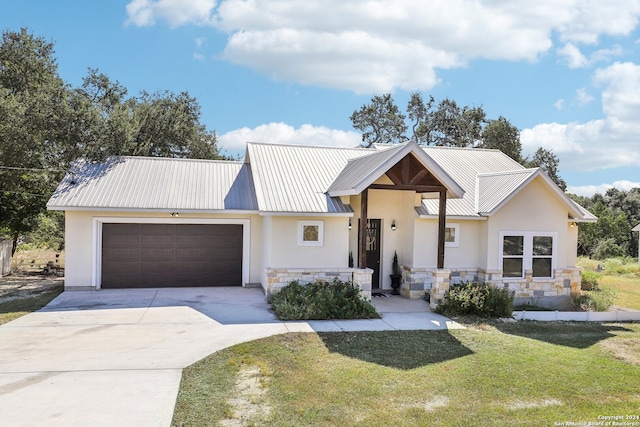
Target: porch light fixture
x,y
573,224
174,214
350,226
393,225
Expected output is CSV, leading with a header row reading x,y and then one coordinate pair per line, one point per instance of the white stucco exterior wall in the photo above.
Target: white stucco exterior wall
x,y
82,240
468,253
282,249
535,208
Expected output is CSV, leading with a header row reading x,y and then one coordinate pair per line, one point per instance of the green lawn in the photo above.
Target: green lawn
x,y
517,374
627,288
620,274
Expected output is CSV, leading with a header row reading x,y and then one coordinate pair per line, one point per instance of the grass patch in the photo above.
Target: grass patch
x,y
528,373
18,307
621,275
627,289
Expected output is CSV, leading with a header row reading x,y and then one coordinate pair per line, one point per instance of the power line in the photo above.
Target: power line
x,y
31,169
24,193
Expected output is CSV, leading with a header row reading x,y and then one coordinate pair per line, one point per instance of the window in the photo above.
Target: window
x,y
310,233
527,251
451,235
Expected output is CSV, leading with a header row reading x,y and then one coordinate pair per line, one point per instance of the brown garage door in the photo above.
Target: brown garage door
x,y
170,255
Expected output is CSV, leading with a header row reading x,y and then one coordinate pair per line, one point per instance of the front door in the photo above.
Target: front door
x,y
373,250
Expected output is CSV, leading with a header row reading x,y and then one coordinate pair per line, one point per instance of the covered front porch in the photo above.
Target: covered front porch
x,y
385,220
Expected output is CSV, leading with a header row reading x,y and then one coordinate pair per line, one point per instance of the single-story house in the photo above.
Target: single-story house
x,y
299,213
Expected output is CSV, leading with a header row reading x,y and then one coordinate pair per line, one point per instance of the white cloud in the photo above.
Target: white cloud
x,y
583,97
176,12
576,59
590,190
559,104
281,133
573,56
198,56
609,142
378,45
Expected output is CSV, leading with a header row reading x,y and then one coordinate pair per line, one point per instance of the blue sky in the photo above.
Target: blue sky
x,y
567,74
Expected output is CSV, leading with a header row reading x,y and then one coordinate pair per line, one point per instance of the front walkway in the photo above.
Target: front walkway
x,y
116,357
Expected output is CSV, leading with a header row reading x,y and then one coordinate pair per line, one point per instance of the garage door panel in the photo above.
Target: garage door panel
x,y
195,254
159,255
122,240
121,254
155,240
193,241
158,229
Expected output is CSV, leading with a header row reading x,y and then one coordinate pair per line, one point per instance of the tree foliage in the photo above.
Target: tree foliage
x,y
380,122
549,163
501,135
45,124
618,212
447,124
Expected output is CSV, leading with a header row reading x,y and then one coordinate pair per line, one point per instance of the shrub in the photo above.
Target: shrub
x,y
608,248
321,300
590,280
481,299
622,265
599,299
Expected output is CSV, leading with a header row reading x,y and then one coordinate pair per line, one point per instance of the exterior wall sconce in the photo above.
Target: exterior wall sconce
x,y
174,214
350,226
573,224
393,225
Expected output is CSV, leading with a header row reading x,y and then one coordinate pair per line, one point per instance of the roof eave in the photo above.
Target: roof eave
x,y
153,210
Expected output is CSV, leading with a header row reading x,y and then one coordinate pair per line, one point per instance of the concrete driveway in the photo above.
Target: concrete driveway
x,y
115,357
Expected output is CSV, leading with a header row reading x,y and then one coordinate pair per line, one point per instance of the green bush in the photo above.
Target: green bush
x,y
480,299
608,248
621,265
599,299
590,280
321,300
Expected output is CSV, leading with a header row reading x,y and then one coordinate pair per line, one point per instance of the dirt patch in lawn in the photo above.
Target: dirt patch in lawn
x,y
249,404
20,285
627,349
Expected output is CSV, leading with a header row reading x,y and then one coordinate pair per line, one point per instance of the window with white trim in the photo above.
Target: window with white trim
x,y
310,233
452,235
523,251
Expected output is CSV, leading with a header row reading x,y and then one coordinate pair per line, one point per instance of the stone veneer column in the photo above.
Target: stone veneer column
x,y
413,282
440,280
362,278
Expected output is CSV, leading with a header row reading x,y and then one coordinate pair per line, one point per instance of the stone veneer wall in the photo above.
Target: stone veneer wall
x,y
417,281
278,278
566,282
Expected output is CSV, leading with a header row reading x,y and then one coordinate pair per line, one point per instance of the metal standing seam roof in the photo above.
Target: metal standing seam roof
x,y
464,165
140,183
358,169
294,179
494,188
285,179
360,172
